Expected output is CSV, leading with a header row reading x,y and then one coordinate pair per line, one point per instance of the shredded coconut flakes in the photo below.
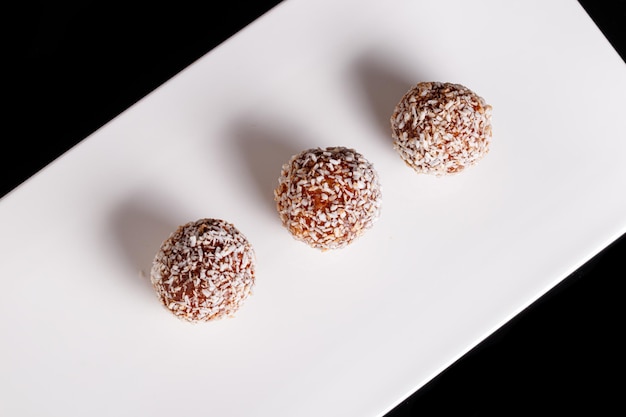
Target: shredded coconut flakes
x,y
441,128
204,271
328,197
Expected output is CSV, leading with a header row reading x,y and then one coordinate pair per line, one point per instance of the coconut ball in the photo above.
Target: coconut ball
x,y
203,271
441,128
328,197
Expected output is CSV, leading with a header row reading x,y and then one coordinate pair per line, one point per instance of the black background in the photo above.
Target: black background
x,y
72,67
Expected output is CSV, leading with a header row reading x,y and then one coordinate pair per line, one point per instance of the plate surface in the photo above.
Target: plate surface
x,y
350,332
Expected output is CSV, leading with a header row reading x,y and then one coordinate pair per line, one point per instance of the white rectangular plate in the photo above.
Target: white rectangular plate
x,y
349,332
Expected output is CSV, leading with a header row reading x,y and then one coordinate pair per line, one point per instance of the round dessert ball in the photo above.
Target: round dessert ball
x,y
441,128
204,271
327,197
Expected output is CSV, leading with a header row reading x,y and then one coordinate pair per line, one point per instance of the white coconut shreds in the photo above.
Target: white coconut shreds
x,y
204,271
441,128
327,197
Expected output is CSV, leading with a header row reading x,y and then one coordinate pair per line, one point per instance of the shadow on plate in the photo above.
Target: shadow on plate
x,y
264,148
138,230
381,83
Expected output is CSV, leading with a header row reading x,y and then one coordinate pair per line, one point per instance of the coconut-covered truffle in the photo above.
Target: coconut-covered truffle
x,y
441,128
327,197
203,271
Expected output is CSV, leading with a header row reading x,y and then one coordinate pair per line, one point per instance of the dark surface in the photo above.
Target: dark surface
x,y
72,68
